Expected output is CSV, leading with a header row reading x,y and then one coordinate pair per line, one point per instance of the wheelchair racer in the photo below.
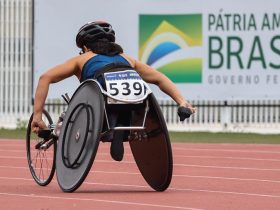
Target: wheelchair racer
x,y
98,49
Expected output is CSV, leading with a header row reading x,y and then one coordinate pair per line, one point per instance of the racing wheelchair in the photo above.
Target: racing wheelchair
x,y
116,100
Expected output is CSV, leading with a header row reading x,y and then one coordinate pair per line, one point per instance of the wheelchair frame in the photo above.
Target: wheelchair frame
x,y
156,183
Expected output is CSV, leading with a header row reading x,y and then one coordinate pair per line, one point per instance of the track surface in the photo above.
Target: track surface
x,y
206,176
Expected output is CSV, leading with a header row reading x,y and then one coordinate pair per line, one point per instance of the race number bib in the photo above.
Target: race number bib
x,y
126,86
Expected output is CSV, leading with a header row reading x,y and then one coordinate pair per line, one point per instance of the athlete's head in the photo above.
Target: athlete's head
x,y
93,31
99,37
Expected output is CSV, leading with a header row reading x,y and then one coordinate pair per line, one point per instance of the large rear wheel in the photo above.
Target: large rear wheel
x,y
80,135
153,153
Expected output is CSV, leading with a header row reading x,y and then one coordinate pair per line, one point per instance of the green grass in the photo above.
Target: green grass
x,y
185,137
12,133
205,137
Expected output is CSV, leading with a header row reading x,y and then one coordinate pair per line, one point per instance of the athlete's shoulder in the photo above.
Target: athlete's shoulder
x,y
79,60
129,58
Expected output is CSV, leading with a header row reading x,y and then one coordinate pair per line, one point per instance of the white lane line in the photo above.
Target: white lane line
x,y
178,146
191,176
228,167
188,189
201,166
98,200
17,178
10,150
232,147
201,157
174,175
228,178
174,156
25,158
226,150
170,188
14,167
226,157
192,165
91,171
13,145
186,149
227,192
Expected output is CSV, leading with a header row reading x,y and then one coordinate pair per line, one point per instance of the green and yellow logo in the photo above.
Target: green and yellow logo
x,y
173,45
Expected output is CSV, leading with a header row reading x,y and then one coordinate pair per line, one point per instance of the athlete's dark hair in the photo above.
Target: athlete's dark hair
x,y
104,47
99,37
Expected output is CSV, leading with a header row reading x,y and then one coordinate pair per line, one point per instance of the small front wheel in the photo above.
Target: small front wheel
x,y
41,153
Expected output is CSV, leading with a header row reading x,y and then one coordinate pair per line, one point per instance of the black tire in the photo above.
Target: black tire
x,y
153,155
41,162
80,135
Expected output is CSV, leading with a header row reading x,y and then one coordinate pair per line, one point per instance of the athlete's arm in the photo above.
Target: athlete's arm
x,y
153,76
53,75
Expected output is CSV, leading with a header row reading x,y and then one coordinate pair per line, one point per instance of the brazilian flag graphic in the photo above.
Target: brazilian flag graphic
x,y
173,45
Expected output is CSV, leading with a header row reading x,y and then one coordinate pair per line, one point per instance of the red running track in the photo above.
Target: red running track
x,y
206,176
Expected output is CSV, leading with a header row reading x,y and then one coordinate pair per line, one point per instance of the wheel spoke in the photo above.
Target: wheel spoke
x,y
36,158
41,167
46,161
41,162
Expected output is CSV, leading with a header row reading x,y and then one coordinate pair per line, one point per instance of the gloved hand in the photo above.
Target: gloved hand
x,y
184,112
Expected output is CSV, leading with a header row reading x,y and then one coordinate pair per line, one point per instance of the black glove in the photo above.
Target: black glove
x,y
45,133
184,113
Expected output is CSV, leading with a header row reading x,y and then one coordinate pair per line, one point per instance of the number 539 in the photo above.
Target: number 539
x,y
125,88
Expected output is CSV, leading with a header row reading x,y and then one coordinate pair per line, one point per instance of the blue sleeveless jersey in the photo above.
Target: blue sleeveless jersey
x,y
98,62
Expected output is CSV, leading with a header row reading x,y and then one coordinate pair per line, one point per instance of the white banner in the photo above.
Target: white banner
x,y
219,49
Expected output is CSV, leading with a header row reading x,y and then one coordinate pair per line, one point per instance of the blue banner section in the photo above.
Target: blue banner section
x,y
122,75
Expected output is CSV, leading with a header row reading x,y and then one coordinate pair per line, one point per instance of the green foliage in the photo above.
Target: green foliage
x,y
12,133
21,124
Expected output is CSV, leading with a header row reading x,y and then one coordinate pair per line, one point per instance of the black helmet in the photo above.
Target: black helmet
x,y
93,31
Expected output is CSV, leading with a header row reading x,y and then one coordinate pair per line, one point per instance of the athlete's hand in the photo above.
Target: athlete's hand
x,y
185,110
37,124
